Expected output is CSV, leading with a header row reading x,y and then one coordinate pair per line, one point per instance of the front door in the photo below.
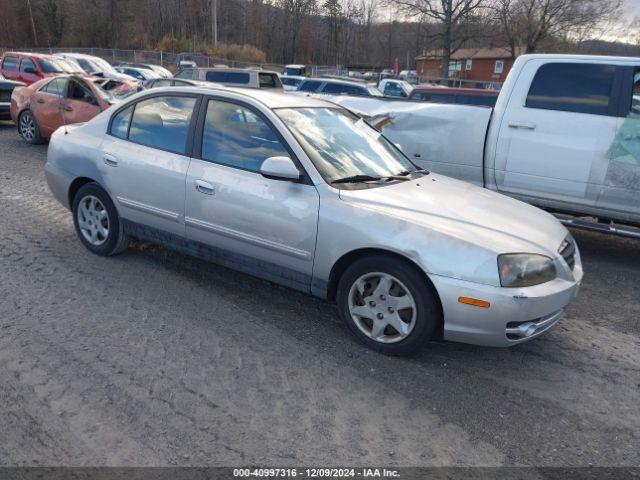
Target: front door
x,y
145,161
556,132
79,103
261,226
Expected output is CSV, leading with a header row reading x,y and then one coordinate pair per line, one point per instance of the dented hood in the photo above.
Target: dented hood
x,y
473,214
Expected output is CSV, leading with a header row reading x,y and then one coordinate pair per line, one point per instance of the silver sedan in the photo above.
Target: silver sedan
x,y
303,193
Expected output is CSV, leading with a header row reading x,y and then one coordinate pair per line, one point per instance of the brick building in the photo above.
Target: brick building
x,y
479,64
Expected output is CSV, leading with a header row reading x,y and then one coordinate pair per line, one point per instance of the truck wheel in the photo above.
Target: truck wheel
x,y
97,221
28,128
388,304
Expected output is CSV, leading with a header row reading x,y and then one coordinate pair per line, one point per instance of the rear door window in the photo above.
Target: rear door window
x,y
267,80
162,122
27,63
55,87
573,87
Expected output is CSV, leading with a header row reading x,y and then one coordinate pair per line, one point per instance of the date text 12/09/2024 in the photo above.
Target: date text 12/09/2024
x,y
316,472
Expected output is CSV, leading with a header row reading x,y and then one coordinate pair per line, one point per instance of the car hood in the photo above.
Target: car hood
x,y
465,211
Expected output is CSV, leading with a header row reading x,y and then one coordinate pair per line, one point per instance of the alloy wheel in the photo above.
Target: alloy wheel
x,y
93,220
27,126
382,307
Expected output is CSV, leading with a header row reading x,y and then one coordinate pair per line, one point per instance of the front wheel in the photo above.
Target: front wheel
x,y
97,222
388,304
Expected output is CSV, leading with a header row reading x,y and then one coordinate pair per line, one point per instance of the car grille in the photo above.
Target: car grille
x,y
568,252
5,95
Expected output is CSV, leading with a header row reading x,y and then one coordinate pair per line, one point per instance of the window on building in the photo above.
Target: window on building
x,y
469,64
499,68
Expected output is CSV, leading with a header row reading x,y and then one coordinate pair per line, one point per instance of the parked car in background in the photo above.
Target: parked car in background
x,y
291,82
410,76
334,86
387,73
140,74
395,88
295,70
564,135
182,64
303,193
233,77
460,96
92,65
29,68
6,88
163,72
40,108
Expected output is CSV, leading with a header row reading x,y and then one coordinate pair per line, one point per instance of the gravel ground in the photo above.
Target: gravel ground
x,y
154,358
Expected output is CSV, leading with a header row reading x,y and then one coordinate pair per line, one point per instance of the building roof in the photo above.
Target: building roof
x,y
473,53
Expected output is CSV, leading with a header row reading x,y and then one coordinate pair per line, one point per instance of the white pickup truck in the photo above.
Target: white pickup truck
x,y
564,135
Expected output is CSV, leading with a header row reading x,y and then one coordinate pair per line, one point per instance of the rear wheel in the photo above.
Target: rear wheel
x,y
28,128
97,221
388,304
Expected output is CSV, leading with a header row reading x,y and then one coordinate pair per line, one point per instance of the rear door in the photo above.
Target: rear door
x,y
46,105
145,160
620,194
556,132
261,226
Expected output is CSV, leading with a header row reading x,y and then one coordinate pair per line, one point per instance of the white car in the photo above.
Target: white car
x,y
306,194
291,82
94,65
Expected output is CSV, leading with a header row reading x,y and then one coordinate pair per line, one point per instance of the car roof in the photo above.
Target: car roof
x,y
29,54
268,97
294,65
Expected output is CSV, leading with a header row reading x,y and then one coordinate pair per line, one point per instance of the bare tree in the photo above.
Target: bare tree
x,y
450,15
527,23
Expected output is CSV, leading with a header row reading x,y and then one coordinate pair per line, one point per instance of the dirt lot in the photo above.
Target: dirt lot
x,y
153,358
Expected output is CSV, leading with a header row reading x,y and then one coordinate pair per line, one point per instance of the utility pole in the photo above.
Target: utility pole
x,y
214,21
33,24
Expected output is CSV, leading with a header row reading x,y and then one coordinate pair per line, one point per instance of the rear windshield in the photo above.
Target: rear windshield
x,y
228,77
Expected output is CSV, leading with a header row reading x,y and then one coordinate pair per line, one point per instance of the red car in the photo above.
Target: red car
x,y
40,108
31,67
461,96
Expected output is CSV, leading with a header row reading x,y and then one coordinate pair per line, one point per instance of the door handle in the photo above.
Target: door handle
x,y
110,160
68,109
40,100
205,187
523,125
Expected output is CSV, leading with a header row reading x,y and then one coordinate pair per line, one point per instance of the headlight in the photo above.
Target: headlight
x,y
525,269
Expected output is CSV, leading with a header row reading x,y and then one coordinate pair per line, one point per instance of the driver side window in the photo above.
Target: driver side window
x,y
235,136
76,91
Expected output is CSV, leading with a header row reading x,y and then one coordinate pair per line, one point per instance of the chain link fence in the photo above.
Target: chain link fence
x,y
172,60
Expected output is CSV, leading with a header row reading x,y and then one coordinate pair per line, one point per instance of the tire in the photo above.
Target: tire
x,y
392,291
97,222
28,128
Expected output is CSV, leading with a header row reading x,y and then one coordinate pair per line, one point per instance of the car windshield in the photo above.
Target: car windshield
x,y
341,145
57,65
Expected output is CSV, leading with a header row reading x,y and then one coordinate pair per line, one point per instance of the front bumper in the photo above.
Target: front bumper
x,y
515,315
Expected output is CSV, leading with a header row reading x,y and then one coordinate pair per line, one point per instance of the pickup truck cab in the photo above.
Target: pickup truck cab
x,y
564,135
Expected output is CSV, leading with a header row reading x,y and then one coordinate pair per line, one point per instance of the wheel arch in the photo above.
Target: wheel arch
x,y
76,185
348,258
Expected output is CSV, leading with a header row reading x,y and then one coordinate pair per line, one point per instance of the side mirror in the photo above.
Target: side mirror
x,y
280,168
